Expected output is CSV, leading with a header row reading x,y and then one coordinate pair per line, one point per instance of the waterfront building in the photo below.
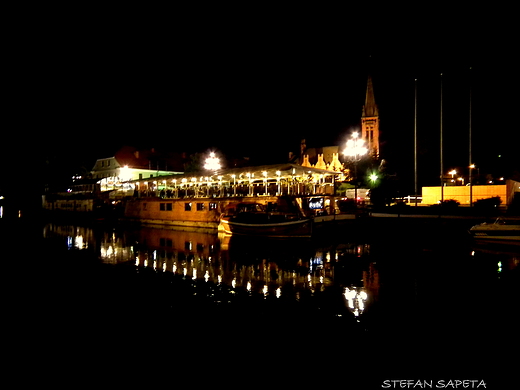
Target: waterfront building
x,y
131,164
506,192
321,157
109,180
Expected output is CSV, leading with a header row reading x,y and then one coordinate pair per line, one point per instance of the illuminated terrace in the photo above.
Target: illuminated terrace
x,y
266,180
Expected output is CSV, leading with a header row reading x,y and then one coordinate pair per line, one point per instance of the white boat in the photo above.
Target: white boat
x,y
502,230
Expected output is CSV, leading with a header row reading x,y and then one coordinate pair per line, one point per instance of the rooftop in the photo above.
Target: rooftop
x,y
257,172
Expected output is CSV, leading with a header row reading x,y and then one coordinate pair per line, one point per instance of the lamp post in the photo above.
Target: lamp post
x,y
184,182
355,149
248,174
453,172
234,185
212,163
471,167
176,189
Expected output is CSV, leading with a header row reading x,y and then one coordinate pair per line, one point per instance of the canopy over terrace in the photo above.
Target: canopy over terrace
x,y
266,180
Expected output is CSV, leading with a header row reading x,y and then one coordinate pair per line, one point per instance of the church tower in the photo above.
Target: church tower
x,y
370,121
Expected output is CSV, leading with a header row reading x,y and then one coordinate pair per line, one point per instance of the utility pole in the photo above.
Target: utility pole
x,y
441,144
471,166
415,142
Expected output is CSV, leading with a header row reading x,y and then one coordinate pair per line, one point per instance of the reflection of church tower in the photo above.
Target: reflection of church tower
x,y
370,121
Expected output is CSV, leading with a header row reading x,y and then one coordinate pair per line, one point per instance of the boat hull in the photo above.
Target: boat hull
x,y
496,233
299,228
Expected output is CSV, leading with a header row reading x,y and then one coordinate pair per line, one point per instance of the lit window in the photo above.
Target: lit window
x,y
187,206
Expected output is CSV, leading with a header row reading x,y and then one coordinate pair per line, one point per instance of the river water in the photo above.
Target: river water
x,y
390,293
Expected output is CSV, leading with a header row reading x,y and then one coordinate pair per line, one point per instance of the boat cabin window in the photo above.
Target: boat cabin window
x,y
212,205
200,207
187,206
165,206
250,208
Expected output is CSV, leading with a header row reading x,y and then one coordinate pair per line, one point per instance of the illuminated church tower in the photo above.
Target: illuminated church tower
x,y
370,121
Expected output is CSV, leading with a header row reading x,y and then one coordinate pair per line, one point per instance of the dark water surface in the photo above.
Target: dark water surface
x,y
366,302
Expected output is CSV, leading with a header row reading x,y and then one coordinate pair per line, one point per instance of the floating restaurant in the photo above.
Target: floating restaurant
x,y
199,199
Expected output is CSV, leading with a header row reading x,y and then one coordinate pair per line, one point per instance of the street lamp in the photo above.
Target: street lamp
x,y
355,149
248,174
212,163
124,173
471,167
184,182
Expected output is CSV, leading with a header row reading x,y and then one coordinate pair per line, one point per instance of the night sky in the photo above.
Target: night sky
x,y
81,87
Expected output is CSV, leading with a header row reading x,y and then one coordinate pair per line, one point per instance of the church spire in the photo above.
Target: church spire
x,y
370,107
370,121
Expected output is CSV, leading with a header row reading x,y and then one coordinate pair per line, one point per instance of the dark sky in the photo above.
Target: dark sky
x,y
80,87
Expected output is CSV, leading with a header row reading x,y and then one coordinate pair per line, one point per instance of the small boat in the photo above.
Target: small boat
x,y
254,219
502,230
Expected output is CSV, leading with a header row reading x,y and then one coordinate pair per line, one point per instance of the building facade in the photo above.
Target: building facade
x,y
130,164
463,194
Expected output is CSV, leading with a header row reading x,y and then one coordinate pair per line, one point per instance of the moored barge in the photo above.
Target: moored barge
x,y
289,200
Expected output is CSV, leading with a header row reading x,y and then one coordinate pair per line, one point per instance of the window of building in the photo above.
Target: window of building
x,y
187,206
200,206
144,206
166,242
165,206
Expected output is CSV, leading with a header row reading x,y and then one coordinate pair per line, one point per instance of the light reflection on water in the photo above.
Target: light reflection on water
x,y
273,269
287,270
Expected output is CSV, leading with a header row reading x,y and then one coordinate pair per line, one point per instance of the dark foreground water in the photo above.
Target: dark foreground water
x,y
380,300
